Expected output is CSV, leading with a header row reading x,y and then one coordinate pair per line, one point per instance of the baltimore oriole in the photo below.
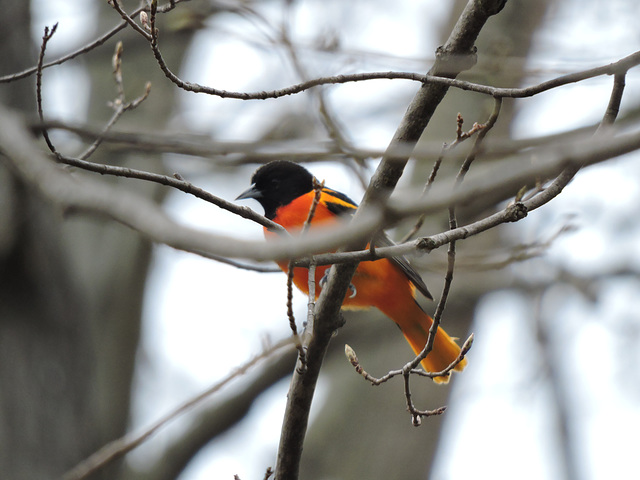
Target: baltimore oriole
x,y
286,192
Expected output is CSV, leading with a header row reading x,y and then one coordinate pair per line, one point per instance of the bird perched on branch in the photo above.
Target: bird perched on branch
x,y
286,192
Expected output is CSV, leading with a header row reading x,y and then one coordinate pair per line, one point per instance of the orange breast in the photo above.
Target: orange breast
x,y
379,284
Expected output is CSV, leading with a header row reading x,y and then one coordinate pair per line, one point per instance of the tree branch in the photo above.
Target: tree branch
x,y
45,39
327,313
82,194
457,55
265,151
86,48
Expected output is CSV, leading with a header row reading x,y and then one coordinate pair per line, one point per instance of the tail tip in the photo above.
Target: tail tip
x,y
444,379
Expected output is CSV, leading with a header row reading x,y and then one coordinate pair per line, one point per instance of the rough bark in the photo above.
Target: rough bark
x,y
71,288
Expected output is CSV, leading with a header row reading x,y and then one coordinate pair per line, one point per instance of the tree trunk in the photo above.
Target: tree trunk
x,y
71,288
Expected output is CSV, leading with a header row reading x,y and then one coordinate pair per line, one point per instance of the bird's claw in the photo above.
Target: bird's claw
x,y
325,277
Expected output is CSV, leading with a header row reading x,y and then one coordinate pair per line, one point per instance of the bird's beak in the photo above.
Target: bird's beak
x,y
251,192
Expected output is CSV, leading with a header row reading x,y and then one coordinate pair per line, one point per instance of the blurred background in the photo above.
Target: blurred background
x,y
102,333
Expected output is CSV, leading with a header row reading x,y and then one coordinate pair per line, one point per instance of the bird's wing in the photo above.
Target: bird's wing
x,y
339,204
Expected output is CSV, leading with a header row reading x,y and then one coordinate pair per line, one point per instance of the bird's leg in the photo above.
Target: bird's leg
x,y
325,277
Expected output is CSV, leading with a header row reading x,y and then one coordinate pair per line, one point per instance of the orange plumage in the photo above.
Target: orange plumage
x,y
286,192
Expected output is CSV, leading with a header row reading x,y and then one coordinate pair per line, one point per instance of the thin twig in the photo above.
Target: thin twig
x,y
177,183
446,148
290,315
132,23
613,68
453,224
311,301
86,48
243,265
92,197
317,186
45,39
417,415
375,381
120,105
563,179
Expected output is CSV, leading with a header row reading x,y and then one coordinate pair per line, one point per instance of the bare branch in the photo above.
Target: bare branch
x,y
45,39
176,182
440,76
446,148
120,105
86,195
570,171
524,92
132,23
86,48
407,369
260,152
217,417
327,314
317,186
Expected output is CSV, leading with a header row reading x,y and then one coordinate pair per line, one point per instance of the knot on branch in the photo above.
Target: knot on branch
x,y
516,211
449,63
426,244
493,7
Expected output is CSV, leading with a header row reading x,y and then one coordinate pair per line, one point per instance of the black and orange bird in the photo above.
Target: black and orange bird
x,y
286,192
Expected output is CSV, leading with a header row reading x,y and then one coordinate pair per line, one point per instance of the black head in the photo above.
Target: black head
x,y
276,184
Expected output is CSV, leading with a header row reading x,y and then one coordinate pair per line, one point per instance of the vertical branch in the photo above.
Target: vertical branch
x,y
613,108
318,186
43,47
446,148
477,145
460,45
570,463
119,104
453,222
484,129
290,315
311,302
451,260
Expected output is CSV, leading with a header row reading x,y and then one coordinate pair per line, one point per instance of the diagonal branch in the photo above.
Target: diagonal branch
x,y
327,314
130,21
101,40
176,182
82,194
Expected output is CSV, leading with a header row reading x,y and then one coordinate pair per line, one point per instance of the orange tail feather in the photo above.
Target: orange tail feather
x,y
415,325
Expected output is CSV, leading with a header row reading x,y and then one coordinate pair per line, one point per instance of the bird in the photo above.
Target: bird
x,y
286,192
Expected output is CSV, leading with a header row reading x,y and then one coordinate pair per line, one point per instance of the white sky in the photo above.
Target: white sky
x,y
191,317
